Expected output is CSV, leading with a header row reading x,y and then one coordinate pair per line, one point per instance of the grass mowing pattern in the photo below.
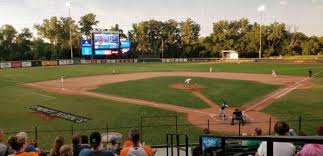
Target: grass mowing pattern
x,y
235,92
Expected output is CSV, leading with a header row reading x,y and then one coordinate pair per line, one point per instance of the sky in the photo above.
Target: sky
x,y
305,15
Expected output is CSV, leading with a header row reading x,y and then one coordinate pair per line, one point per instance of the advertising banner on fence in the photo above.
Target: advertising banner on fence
x,y
104,61
49,63
62,62
5,65
69,62
85,61
26,64
15,64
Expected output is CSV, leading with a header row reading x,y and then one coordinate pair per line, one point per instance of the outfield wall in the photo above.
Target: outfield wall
x,y
63,62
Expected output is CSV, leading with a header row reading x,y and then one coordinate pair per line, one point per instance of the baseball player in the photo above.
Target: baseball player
x,y
222,108
62,81
188,81
273,73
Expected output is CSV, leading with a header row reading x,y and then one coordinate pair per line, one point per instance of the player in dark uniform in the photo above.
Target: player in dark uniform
x,y
222,108
237,115
310,73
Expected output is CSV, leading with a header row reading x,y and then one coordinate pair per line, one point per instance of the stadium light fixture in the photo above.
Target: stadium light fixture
x,y
69,5
261,9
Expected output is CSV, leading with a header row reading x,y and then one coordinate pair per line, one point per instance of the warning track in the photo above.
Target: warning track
x,y
198,117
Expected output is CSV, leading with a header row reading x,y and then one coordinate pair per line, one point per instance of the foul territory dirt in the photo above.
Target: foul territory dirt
x,y
198,117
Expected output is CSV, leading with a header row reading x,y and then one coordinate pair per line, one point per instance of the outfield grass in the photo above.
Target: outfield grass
x,y
306,103
34,74
234,92
15,99
16,116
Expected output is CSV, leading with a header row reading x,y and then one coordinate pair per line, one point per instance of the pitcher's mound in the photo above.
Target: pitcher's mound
x,y
183,86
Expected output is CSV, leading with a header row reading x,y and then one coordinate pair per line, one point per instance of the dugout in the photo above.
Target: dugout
x,y
230,54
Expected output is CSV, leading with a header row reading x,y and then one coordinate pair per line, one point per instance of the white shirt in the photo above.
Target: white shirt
x,y
279,149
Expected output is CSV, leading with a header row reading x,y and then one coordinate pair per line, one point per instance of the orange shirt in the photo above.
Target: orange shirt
x,y
127,143
25,154
148,150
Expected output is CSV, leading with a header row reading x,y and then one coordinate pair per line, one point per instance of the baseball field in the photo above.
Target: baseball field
x,y
151,95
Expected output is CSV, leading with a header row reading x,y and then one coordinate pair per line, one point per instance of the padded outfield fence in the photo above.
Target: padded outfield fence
x,y
62,62
163,124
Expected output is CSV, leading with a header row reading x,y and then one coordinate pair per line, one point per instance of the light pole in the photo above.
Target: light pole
x,y
261,9
68,4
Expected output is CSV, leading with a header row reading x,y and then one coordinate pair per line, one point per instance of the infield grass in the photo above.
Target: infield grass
x,y
234,92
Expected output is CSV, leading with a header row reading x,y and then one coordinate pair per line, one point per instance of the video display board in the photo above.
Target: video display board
x,y
106,41
125,45
86,47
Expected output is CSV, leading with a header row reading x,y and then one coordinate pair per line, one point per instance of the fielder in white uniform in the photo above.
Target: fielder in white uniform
x,y
273,73
188,81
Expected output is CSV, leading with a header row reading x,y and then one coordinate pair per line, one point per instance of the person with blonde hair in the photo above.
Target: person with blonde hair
x,y
59,142
66,150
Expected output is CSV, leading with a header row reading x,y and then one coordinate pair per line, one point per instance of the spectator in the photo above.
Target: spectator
x,y
313,149
29,148
136,148
66,150
279,148
10,150
76,141
95,142
59,142
3,147
19,144
114,145
127,143
85,141
258,132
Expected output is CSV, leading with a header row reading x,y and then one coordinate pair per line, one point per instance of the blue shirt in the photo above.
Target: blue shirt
x,y
89,152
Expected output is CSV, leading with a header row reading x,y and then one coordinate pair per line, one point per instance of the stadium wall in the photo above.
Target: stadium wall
x,y
63,62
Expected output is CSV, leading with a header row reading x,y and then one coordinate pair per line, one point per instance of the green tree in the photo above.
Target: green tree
x,y
311,46
57,31
87,22
7,41
189,32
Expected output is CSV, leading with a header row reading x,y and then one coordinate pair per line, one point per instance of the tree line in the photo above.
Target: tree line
x,y
169,38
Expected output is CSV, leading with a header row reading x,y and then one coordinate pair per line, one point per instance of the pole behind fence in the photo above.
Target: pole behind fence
x,y
107,129
269,132
177,144
208,124
299,124
186,145
167,143
176,123
239,128
141,136
36,134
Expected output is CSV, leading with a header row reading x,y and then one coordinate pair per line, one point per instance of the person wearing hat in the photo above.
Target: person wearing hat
x,y
136,149
95,142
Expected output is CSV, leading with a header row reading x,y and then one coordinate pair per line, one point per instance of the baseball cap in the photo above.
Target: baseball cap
x,y
95,139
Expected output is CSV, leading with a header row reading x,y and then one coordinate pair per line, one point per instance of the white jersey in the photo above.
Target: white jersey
x,y
187,81
62,79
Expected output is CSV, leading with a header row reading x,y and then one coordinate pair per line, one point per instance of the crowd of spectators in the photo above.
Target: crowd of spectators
x,y
82,145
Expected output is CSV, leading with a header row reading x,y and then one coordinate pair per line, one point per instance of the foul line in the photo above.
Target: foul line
x,y
42,95
281,93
